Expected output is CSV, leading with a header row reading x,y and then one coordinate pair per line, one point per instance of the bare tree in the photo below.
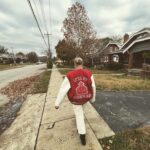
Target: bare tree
x,y
3,50
78,30
116,38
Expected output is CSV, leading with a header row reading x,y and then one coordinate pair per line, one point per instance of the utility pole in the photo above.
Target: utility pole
x,y
49,51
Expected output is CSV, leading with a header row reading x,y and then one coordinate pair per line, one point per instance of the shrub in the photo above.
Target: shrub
x,y
114,66
100,67
49,64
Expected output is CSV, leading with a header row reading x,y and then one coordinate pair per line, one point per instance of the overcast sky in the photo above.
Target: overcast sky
x,y
110,17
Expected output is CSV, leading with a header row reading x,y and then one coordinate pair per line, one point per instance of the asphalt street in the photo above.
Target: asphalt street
x,y
7,76
124,110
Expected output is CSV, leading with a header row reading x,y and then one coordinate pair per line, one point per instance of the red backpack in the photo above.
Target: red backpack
x,y
81,86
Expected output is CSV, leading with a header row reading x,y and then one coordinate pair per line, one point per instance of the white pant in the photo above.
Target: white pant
x,y
79,115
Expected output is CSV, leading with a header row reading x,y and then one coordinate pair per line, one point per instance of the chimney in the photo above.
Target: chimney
x,y
125,38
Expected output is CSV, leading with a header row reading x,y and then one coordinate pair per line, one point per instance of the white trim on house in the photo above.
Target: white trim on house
x,y
135,34
136,41
115,43
119,46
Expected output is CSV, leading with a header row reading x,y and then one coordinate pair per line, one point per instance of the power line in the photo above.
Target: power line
x,y
43,14
30,5
40,20
50,17
50,20
44,18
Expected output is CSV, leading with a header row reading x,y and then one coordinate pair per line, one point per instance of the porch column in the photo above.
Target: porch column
x,y
130,65
109,58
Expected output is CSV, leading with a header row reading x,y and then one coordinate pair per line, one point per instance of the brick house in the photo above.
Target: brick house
x,y
108,53
131,52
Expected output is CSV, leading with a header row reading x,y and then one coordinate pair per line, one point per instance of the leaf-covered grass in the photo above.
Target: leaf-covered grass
x,y
136,139
121,82
96,71
19,88
116,80
42,85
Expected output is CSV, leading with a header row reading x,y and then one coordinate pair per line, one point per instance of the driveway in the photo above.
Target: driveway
x,y
124,110
7,76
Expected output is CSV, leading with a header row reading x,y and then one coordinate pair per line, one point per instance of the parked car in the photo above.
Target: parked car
x,y
38,63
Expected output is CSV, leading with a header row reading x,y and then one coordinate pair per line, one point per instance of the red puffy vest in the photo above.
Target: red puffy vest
x,y
81,86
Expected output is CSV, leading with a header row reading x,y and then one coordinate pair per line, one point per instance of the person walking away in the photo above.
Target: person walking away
x,y
79,85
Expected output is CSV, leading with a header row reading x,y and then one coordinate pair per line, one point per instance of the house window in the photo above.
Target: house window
x,y
115,58
106,59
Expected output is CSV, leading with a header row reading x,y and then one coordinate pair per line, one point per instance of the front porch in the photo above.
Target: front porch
x,y
136,60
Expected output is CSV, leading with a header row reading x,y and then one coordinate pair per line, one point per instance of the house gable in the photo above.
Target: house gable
x,y
140,46
111,48
136,37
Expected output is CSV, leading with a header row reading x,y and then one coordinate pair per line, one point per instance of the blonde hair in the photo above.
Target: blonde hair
x,y
78,61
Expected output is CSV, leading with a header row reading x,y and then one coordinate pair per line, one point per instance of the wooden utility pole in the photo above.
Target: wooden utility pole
x,y
49,51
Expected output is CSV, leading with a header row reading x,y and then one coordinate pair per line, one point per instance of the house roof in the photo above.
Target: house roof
x,y
123,48
136,41
59,61
113,43
147,29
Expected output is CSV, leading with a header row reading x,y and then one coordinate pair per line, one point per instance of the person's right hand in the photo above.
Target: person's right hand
x,y
56,107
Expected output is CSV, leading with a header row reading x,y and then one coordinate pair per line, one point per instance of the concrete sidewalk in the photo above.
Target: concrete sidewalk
x,y
58,127
22,133
38,126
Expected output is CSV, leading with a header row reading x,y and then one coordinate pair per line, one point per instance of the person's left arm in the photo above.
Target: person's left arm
x,y
94,89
